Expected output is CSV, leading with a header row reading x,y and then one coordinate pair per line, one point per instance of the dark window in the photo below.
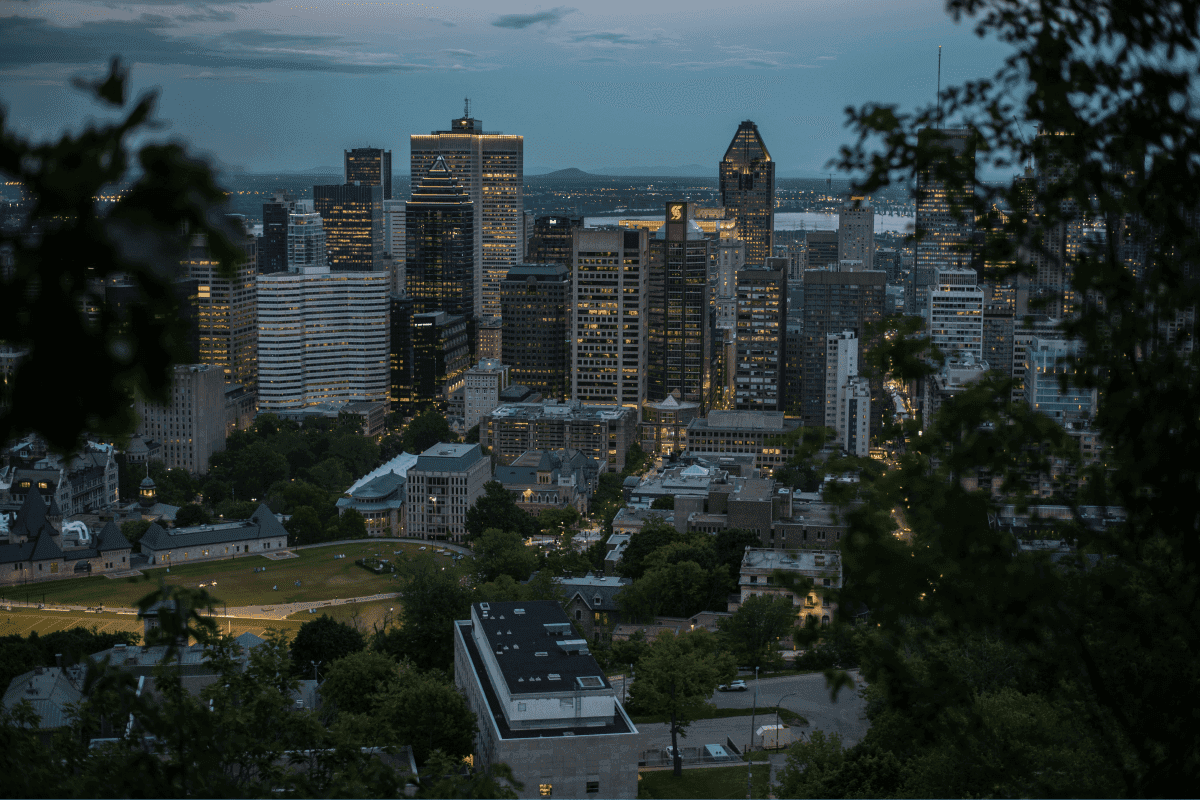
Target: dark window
x,y
593,787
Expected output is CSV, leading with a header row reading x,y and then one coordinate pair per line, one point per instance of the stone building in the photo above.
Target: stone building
x,y
262,533
443,484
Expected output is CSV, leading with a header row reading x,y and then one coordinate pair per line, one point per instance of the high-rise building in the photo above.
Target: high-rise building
x,y
440,252
1046,361
853,423
353,220
945,222
759,379
443,484
536,335
856,232
322,338
551,240
272,247
491,167
370,166
482,385
834,301
430,354
609,288
394,242
679,331
821,249
225,312
191,424
841,364
731,257
747,184
955,315
306,243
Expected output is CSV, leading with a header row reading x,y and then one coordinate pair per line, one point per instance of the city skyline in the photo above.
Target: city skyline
x,y
315,81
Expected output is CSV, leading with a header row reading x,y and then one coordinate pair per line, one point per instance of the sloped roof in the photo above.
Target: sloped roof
x,y
260,525
15,553
31,517
49,691
589,588
45,548
111,538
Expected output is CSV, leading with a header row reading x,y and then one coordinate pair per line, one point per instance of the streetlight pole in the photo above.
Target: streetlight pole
x,y
750,749
777,705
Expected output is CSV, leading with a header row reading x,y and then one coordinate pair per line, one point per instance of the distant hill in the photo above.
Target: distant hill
x,y
686,171
567,174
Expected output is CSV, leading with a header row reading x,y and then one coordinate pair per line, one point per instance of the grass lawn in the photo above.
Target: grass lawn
x,y
322,577
766,714
23,621
703,782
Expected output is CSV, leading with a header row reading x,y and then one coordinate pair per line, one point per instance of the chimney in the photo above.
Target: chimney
x,y
58,661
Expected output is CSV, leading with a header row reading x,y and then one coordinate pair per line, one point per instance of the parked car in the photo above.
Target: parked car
x,y
736,686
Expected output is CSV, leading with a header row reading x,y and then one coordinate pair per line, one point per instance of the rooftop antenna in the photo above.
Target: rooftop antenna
x,y
467,100
939,89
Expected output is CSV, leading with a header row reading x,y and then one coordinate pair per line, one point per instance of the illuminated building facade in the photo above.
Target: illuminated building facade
x,y
821,249
761,345
747,185
430,356
609,289
225,312
353,220
305,242
491,168
272,247
322,338
440,255
679,322
945,222
551,240
955,315
370,166
536,334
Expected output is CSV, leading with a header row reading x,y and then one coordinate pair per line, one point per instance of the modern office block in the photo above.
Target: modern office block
x,y
602,432
955,314
272,247
747,185
353,220
821,248
370,166
225,312
491,167
551,240
679,325
856,232
306,243
430,354
730,257
441,270
395,247
759,380
609,288
535,314
191,424
322,338
853,423
841,364
1046,360
834,302
945,222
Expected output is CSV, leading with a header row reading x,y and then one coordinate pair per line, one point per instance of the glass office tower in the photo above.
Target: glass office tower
x,y
748,191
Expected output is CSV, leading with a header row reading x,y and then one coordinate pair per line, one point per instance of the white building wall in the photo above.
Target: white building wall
x,y
841,364
955,314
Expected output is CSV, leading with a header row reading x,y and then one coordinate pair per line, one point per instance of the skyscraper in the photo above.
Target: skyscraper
x,y
440,254
272,248
609,288
551,240
761,358
821,248
536,341
370,166
491,167
306,243
679,331
353,220
945,221
225,312
748,190
856,232
955,315
834,302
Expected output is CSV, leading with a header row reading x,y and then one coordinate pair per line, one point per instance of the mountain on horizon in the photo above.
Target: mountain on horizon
x,y
570,172
685,171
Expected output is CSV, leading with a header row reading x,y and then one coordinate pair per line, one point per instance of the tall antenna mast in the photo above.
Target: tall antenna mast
x,y
939,89
467,100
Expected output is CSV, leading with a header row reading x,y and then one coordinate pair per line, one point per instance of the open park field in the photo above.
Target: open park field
x,y
23,621
234,582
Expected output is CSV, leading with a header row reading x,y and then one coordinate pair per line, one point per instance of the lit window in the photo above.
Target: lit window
x,y
546,789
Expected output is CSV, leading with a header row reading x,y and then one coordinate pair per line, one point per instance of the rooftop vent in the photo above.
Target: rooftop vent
x,y
590,682
518,611
554,676
541,653
557,628
578,646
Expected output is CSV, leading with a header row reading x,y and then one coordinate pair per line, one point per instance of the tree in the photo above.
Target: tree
x,y
502,553
250,470
134,530
674,590
428,713
330,475
666,503
357,453
432,601
323,640
427,429
676,676
650,537
1111,88
352,681
67,245
496,508
444,778
351,525
752,634
191,514
304,527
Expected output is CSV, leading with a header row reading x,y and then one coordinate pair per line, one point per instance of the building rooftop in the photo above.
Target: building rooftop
x,y
572,410
773,421
261,523
398,465
448,458
764,559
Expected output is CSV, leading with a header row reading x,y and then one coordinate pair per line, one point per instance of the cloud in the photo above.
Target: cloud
x,y
443,22
154,39
522,21
612,37
462,53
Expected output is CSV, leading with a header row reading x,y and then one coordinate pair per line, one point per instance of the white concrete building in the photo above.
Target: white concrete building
x,y
954,318
305,242
481,392
322,338
854,416
191,424
824,567
841,364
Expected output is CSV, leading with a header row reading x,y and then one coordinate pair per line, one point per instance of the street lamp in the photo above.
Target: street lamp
x,y
750,749
777,705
